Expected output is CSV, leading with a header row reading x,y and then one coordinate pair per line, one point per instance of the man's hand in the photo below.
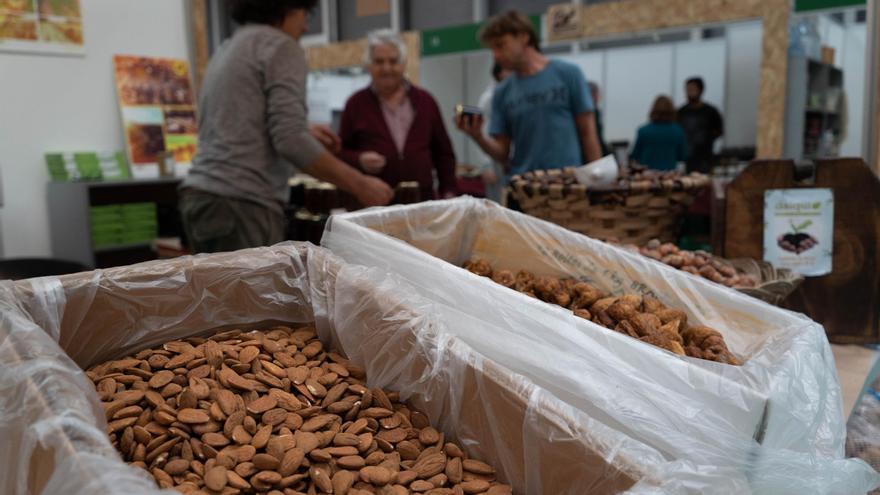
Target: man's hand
x,y
372,162
373,192
497,147
326,137
472,125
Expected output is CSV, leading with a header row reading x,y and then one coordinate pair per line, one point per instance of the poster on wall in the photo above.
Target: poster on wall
x,y
158,112
799,230
41,26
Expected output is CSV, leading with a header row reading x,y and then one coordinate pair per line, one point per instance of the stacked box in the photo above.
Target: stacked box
x,y
64,167
54,429
129,223
776,420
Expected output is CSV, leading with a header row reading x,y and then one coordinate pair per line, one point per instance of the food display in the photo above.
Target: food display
x,y
641,204
274,412
696,263
642,318
635,178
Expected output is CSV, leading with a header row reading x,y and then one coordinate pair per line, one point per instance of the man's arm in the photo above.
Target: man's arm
x,y
290,135
586,126
497,147
369,191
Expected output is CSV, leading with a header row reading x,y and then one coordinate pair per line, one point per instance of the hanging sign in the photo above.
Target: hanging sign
x,y
799,230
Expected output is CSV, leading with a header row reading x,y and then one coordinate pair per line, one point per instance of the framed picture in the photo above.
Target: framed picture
x,y
41,26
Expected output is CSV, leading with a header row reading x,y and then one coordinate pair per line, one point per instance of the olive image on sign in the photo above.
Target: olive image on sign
x,y
797,241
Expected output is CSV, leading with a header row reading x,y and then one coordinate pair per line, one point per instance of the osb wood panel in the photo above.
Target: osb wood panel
x,y
351,54
774,70
628,16
199,17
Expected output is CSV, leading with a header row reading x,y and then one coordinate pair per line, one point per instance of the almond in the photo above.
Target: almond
x,y
265,462
475,486
216,478
430,465
321,479
176,467
454,470
376,475
477,467
193,416
262,404
342,482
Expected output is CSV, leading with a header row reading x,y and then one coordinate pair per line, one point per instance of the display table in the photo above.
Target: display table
x,y
70,206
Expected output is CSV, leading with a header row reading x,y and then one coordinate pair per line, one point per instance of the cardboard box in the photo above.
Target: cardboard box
x,y
786,394
53,426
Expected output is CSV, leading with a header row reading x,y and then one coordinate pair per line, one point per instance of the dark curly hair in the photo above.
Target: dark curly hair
x,y
265,11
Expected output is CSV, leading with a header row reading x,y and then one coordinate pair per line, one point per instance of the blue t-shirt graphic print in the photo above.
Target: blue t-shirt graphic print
x,y
538,114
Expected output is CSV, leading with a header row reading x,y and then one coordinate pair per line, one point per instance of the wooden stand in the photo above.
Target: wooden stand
x,y
69,204
847,301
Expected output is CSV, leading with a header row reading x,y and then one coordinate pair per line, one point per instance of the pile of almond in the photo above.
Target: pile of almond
x,y
642,318
274,412
698,263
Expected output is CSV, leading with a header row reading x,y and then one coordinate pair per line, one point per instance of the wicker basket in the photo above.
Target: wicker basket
x,y
774,284
634,211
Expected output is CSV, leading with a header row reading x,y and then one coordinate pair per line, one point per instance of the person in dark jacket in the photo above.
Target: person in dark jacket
x,y
393,129
660,144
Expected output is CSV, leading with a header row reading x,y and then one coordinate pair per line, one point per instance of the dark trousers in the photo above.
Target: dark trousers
x,y
216,223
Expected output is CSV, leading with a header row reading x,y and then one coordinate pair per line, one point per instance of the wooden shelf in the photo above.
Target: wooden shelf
x,y
70,206
823,112
123,247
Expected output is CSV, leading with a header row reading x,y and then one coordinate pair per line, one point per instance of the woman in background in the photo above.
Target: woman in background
x,y
661,143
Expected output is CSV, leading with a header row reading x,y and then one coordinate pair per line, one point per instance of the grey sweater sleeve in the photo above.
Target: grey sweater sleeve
x,y
287,112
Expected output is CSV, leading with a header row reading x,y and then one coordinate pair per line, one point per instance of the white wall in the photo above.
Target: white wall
x,y
849,43
627,94
852,60
328,92
635,76
444,77
743,83
478,75
50,103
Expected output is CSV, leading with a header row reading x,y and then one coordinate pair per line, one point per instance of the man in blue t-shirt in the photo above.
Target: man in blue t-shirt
x,y
543,112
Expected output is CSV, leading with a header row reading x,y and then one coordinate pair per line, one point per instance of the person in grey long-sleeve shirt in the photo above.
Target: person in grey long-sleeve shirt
x,y
253,112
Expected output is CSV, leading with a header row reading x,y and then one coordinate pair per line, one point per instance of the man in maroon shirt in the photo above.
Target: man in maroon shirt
x,y
393,129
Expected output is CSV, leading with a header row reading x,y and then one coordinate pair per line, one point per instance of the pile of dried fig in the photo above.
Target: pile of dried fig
x,y
274,412
646,319
698,263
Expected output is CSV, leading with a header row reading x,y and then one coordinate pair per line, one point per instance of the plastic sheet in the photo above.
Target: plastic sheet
x,y
774,424
52,423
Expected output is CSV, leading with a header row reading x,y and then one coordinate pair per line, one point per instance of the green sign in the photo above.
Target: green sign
x,y
457,39
807,5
